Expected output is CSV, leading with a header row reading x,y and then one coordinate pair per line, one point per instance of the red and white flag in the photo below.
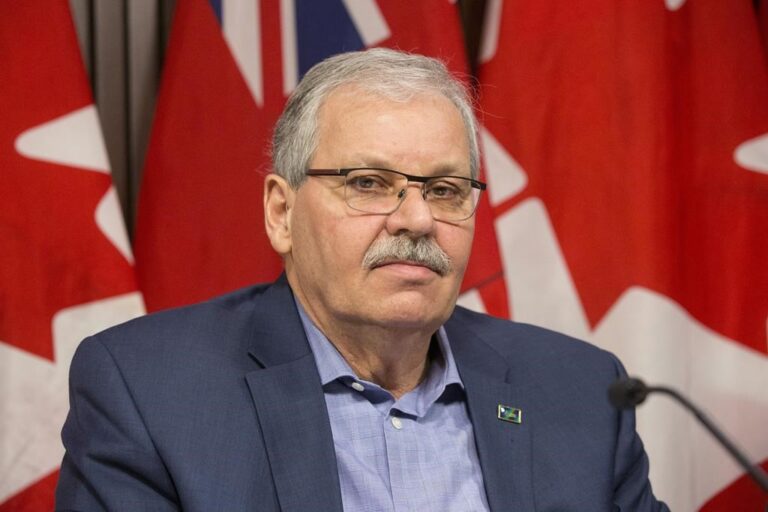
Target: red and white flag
x,y
627,154
229,68
65,262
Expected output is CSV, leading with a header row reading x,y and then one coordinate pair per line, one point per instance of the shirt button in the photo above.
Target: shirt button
x,y
357,386
397,423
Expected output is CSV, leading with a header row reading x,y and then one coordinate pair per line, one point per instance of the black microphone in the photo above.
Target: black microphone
x,y
630,392
626,393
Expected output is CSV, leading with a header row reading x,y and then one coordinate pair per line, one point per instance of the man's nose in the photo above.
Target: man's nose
x,y
413,215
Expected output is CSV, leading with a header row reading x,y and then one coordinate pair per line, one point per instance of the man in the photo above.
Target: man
x,y
353,382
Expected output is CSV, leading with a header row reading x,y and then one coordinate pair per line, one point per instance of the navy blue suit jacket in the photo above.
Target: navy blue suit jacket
x,y
219,406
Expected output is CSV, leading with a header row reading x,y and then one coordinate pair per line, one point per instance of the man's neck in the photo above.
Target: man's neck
x,y
397,359
395,362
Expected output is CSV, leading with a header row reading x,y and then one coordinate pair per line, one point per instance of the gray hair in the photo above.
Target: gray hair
x,y
393,74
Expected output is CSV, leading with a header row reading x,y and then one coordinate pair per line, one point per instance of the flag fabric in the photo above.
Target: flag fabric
x,y
627,157
228,70
65,262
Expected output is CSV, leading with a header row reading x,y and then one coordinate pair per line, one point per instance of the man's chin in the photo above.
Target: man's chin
x,y
412,310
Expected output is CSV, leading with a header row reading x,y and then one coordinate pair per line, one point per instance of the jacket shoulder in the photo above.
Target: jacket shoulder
x,y
217,321
536,345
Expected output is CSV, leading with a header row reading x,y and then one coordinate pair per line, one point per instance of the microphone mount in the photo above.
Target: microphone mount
x,y
627,393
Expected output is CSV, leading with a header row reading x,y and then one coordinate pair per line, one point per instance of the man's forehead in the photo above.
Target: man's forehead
x,y
421,135
348,102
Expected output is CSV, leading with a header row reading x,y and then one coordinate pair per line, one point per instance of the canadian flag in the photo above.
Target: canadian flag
x,y
627,156
65,262
229,68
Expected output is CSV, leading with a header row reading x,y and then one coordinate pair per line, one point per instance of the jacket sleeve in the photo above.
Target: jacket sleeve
x,y
110,461
632,489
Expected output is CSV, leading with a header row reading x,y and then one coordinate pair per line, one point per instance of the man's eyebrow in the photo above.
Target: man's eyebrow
x,y
450,170
373,162
439,170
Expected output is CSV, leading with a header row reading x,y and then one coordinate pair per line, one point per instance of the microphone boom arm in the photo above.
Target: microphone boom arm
x,y
631,392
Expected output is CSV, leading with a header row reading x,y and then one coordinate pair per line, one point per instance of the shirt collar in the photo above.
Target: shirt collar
x,y
332,366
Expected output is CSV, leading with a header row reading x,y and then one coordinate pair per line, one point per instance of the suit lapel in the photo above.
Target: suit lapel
x,y
504,448
297,435
291,409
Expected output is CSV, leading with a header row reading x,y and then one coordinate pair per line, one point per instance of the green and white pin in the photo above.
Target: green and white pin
x,y
510,414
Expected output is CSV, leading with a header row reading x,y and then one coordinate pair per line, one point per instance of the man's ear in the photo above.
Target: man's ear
x,y
278,207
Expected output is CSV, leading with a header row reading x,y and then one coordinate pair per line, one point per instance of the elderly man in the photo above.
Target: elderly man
x,y
353,382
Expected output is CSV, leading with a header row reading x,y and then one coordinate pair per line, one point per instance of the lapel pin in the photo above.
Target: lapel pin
x,y
510,414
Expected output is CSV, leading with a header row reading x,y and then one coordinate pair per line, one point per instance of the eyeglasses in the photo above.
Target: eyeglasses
x,y
382,191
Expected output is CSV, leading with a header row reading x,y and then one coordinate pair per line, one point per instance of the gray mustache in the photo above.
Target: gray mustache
x,y
422,251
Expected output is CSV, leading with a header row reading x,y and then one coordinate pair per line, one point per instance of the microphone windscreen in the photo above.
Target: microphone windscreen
x,y
626,393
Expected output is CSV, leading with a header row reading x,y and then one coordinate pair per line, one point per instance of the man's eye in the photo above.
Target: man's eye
x,y
372,183
443,191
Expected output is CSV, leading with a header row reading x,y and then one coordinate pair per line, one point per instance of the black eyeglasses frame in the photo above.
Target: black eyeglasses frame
x,y
344,171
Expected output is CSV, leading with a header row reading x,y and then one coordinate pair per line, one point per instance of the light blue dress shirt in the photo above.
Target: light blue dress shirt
x,y
413,454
